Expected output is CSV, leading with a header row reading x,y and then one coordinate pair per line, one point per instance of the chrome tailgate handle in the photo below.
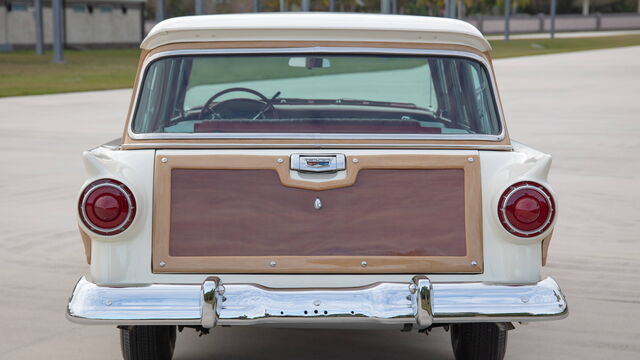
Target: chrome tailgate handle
x,y
317,163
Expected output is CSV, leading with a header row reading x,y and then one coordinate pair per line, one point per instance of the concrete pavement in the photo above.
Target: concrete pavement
x,y
581,107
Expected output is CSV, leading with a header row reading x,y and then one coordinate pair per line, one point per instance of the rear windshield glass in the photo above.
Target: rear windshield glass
x,y
337,94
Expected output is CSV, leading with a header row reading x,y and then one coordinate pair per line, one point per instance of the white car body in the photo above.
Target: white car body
x,y
510,264
125,258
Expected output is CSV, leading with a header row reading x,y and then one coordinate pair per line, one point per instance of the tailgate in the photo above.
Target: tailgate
x,y
248,212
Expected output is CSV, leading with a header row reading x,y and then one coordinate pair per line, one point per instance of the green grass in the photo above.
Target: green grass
x,y
24,73
527,47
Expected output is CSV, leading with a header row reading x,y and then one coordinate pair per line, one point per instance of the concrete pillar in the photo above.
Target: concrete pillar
x,y
282,6
160,15
385,6
199,7
553,19
143,32
306,5
507,18
5,45
450,8
332,5
541,22
39,30
256,5
57,9
460,7
585,7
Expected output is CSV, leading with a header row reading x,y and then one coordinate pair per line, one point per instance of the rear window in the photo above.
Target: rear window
x,y
316,94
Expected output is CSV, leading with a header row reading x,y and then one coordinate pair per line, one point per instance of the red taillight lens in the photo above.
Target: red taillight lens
x,y
107,207
526,209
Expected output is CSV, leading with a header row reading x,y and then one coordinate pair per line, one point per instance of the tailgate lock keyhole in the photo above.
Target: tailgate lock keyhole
x,y
317,204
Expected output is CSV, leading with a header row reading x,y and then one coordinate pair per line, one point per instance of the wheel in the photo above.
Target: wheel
x,y
147,342
482,341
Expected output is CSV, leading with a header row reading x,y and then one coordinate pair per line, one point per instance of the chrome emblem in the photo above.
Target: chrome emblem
x,y
317,162
317,204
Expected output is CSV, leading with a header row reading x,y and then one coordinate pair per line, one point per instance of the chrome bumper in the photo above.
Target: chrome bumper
x,y
419,302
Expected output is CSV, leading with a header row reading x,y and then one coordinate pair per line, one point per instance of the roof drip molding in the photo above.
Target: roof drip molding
x,y
315,27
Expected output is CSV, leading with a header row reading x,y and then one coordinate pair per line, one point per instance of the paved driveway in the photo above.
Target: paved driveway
x,y
583,108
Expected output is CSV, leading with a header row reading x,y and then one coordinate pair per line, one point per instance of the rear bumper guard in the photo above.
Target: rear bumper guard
x,y
213,303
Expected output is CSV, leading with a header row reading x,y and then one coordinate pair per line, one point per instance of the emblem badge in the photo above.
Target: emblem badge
x,y
318,162
317,204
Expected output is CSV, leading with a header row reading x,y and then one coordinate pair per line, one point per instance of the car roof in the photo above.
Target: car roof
x,y
314,26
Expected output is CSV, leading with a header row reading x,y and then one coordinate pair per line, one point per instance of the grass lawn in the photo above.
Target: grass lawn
x,y
526,47
24,73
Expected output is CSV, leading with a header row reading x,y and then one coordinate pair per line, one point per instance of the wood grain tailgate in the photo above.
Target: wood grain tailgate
x,y
223,213
250,213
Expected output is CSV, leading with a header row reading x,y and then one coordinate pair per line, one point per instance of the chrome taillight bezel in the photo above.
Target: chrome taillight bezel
x,y
512,190
126,193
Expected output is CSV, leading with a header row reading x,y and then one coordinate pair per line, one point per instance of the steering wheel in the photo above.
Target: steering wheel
x,y
238,108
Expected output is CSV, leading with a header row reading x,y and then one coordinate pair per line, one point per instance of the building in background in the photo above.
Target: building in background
x,y
88,23
116,23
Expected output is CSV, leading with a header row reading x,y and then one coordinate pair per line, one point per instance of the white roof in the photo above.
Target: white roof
x,y
315,26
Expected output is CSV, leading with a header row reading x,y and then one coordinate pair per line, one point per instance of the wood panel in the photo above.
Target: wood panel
x,y
470,261
384,213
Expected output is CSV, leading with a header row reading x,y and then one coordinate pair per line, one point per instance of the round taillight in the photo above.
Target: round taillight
x,y
107,207
526,209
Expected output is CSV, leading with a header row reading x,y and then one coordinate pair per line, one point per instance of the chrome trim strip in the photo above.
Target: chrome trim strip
x,y
318,136
313,146
312,136
418,302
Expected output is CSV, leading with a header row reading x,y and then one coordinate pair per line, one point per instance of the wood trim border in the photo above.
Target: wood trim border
x,y
472,262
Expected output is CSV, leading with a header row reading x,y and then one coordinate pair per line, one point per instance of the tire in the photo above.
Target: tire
x,y
147,342
482,341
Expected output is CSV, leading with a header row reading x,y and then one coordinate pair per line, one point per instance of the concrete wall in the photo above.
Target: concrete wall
x,y
103,26
15,29
106,25
621,21
542,23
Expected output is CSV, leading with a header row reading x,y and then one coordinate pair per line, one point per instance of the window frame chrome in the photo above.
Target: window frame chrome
x,y
317,136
